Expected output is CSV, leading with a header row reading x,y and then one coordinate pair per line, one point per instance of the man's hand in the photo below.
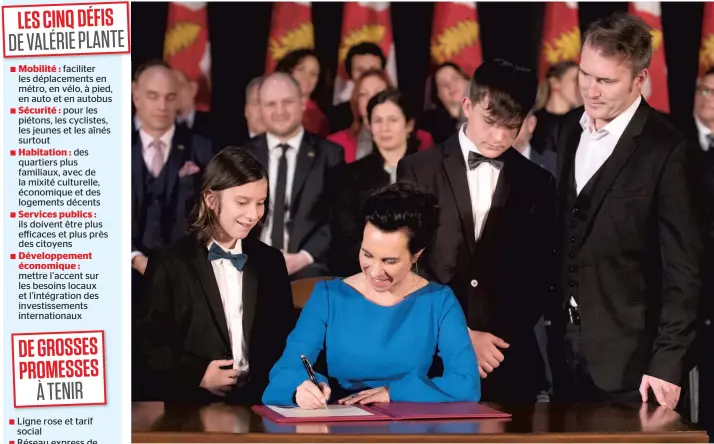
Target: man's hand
x,y
219,381
487,353
296,261
139,263
667,394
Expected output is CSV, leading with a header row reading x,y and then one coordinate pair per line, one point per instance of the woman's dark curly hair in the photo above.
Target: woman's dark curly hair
x,y
404,206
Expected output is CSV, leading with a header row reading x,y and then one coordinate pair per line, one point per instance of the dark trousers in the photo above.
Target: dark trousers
x,y
574,382
706,380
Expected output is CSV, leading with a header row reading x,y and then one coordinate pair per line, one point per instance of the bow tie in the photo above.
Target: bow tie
x,y
238,260
476,159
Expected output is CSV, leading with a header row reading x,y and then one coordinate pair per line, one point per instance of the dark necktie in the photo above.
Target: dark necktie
x,y
476,159
238,260
277,237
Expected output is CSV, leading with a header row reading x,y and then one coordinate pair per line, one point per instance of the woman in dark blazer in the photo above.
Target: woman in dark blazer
x,y
218,306
391,122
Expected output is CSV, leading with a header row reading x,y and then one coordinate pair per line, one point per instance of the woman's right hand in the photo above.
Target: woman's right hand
x,y
310,397
219,381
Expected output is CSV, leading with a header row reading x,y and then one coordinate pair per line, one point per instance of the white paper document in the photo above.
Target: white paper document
x,y
332,411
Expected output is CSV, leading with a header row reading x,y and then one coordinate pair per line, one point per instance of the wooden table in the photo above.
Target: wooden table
x,y
542,422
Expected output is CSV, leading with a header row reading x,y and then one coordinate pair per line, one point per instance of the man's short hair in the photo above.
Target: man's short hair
x,y
364,48
510,89
150,64
624,36
255,82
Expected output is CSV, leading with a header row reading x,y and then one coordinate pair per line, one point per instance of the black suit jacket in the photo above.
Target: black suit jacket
x,y
185,147
702,181
201,125
639,253
503,280
181,326
354,183
309,226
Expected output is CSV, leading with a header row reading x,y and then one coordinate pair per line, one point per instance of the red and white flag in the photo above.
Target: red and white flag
x,y
187,49
655,90
364,22
290,29
706,48
455,35
561,35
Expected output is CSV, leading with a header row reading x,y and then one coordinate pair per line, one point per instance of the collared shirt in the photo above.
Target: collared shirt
x,y
274,154
148,152
188,119
527,151
230,286
482,183
148,155
703,132
596,146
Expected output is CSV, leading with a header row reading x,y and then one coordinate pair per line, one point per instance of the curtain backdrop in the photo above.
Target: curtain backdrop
x,y
238,33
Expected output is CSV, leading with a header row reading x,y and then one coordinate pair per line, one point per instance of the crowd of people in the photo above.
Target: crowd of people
x,y
514,243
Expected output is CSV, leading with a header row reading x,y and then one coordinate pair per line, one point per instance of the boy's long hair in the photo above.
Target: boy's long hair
x,y
232,167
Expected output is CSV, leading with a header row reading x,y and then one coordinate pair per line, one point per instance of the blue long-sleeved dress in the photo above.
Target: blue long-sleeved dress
x,y
369,346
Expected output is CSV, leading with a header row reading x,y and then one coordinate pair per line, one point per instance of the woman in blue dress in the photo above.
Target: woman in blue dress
x,y
382,327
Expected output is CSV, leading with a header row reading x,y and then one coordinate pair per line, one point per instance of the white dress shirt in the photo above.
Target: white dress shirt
x,y
188,119
147,152
482,183
230,285
704,132
274,154
596,146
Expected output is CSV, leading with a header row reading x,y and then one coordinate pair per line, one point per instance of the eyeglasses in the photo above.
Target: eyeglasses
x,y
705,92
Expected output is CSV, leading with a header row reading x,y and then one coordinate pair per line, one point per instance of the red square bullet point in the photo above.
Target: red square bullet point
x,y
12,69
12,422
12,215
12,110
12,442
12,256
13,152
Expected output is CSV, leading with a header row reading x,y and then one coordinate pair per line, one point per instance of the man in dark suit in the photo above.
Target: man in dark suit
x,y
493,245
628,243
187,115
699,130
546,159
299,165
360,59
165,176
166,165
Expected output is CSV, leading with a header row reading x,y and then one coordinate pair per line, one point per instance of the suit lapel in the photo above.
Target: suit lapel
x,y
250,290
565,164
207,279
261,151
603,179
455,169
137,176
176,156
305,158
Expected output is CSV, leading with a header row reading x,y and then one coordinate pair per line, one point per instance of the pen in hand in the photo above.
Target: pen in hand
x,y
311,373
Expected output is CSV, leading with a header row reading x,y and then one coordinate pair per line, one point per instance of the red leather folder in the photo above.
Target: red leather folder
x,y
397,411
